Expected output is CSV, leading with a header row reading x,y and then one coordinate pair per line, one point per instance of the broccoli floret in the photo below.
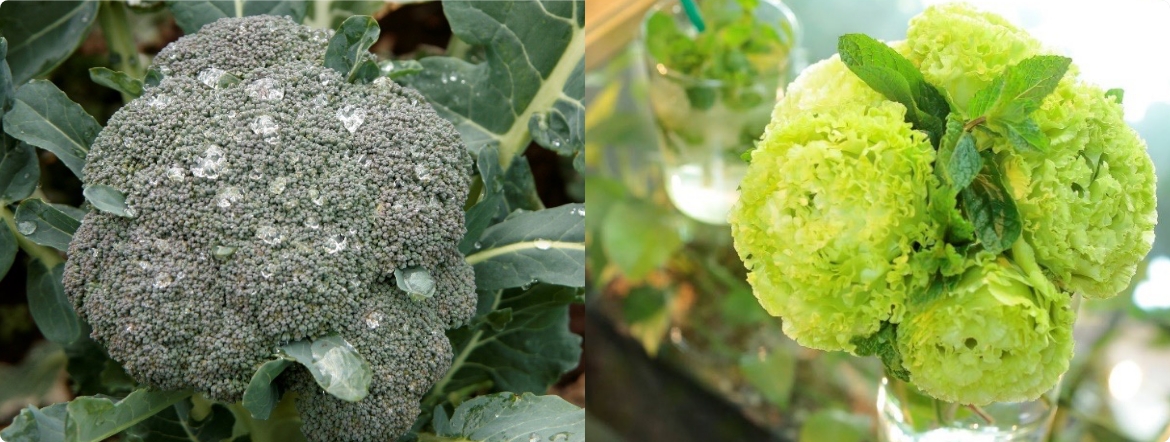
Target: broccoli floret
x,y
270,211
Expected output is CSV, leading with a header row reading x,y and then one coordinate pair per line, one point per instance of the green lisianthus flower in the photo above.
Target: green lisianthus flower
x,y
832,211
999,335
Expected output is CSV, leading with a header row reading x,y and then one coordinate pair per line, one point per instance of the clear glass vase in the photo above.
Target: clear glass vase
x,y
705,124
905,414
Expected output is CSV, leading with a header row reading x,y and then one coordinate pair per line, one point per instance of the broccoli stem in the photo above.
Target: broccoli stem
x,y
47,255
120,39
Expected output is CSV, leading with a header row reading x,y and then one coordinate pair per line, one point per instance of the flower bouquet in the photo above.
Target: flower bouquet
x,y
939,201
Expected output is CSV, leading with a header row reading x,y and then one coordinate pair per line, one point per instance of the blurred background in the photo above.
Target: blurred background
x,y
681,350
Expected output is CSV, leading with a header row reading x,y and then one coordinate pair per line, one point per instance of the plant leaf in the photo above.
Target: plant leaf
x,y
107,199
771,372
262,395
47,224
7,90
336,366
965,162
1025,135
527,353
44,117
883,344
37,425
177,424
991,210
191,15
50,308
532,73
42,34
119,81
508,416
19,170
880,67
546,245
348,47
1020,89
329,14
638,238
8,248
1116,93
396,69
97,418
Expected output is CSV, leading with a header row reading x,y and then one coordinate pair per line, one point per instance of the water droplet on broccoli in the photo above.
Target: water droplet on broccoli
x,y
312,222
542,244
316,197
264,126
270,235
373,320
267,271
478,245
320,100
162,280
159,101
533,437
416,282
422,172
265,89
175,174
227,196
351,117
210,164
335,243
26,227
210,76
276,187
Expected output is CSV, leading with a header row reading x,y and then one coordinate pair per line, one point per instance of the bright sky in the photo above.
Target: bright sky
x,y
1119,43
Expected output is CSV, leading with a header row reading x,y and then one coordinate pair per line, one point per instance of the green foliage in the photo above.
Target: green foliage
x,y
542,246
529,87
772,373
835,425
992,210
6,88
965,162
638,237
179,423
262,395
108,199
37,425
891,74
883,344
42,34
44,117
50,308
119,81
19,171
336,366
739,47
507,416
48,224
1006,104
348,47
329,14
191,15
8,248
93,419
398,69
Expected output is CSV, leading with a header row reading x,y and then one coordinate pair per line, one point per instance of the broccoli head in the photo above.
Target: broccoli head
x,y
289,206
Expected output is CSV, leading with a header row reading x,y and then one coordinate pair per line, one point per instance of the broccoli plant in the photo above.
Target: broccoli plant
x,y
284,237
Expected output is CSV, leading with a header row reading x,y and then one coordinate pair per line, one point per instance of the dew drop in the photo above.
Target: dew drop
x,y
160,101
351,117
265,126
416,282
265,89
276,187
270,235
316,197
210,76
227,196
374,319
130,212
312,222
423,173
335,243
478,245
267,271
210,164
162,280
533,437
26,227
320,101
542,244
175,174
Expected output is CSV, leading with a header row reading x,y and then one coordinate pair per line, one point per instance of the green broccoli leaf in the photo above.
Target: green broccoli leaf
x,y
545,245
42,34
336,366
7,91
36,376
178,423
991,209
119,81
509,416
50,308
37,425
191,15
261,396
329,14
8,248
19,170
108,199
352,40
398,69
44,117
526,353
529,87
48,224
965,161
1116,93
883,344
97,418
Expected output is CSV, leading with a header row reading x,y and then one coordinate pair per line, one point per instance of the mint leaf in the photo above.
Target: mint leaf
x,y
965,162
991,209
1117,93
1020,89
892,75
1025,135
884,345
